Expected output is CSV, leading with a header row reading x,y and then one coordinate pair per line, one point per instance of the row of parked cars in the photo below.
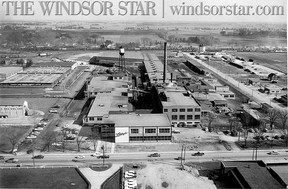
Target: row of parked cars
x,y
38,128
130,181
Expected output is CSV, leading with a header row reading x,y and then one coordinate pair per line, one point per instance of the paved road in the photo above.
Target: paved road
x,y
62,159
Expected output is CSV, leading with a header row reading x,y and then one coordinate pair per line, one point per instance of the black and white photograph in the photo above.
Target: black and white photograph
x,y
143,94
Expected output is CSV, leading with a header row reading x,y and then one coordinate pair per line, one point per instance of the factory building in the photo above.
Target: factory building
x,y
135,128
180,106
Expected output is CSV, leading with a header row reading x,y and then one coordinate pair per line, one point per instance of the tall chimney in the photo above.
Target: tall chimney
x,y
165,62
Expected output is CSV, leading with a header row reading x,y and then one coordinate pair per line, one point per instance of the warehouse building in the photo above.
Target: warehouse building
x,y
46,77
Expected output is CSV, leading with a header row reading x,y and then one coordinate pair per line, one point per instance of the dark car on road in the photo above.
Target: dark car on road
x,y
2,157
103,156
154,155
38,157
11,160
179,158
198,154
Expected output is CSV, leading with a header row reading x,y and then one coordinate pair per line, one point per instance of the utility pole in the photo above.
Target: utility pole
x,y
103,155
33,157
184,152
181,154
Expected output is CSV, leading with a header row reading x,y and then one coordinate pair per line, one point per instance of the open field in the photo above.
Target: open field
x,y
136,38
62,178
41,104
14,132
277,61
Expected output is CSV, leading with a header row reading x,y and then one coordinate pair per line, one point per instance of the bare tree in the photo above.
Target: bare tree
x,y
48,139
232,122
79,142
94,137
63,136
283,117
210,117
272,116
11,135
260,132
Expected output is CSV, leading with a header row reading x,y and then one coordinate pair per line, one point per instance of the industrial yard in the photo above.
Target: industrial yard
x,y
155,89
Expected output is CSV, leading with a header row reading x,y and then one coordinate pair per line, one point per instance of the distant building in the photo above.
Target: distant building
x,y
272,89
216,99
12,109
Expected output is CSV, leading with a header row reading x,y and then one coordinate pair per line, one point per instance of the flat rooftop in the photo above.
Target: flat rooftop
x,y
101,84
138,120
32,79
177,98
154,67
12,69
209,96
45,70
51,64
105,103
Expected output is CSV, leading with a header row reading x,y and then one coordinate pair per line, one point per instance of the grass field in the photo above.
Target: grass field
x,y
42,104
131,38
18,132
277,61
62,178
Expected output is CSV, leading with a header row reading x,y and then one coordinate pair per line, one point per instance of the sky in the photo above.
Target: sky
x,y
144,10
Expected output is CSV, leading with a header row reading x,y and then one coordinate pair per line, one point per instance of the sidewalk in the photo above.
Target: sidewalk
x,y
96,178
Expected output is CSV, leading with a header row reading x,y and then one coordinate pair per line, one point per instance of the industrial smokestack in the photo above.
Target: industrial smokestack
x,y
165,62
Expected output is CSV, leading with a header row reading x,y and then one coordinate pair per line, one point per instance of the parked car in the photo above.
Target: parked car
x,y
103,156
276,137
31,136
56,106
53,111
2,157
130,174
198,154
38,129
19,165
38,157
75,160
96,154
12,160
29,151
154,155
273,153
179,158
80,157
44,120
